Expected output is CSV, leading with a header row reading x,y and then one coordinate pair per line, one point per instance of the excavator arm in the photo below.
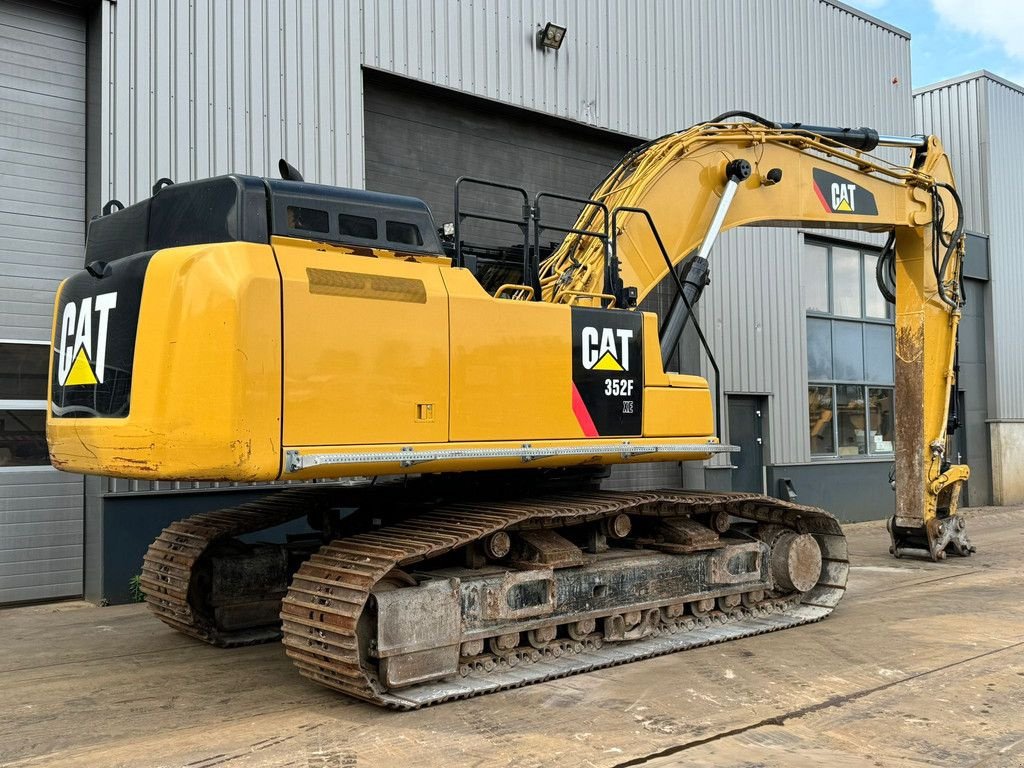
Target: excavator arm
x,y
721,175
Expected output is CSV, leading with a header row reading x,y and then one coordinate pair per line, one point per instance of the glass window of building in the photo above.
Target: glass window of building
x,y
23,371
850,360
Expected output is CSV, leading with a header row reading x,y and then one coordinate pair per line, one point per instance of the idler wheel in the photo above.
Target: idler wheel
x,y
796,562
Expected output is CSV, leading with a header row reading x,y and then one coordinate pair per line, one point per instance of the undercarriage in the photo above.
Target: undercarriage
x,y
413,604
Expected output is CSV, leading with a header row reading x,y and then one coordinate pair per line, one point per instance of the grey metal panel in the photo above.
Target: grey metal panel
x,y
1002,117
41,534
644,68
973,441
42,156
217,86
978,117
42,186
753,313
420,140
851,490
954,114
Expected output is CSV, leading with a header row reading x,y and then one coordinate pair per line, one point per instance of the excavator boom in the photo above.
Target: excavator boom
x,y
721,175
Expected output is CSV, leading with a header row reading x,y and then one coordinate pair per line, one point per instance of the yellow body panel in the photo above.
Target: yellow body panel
x,y
511,366
663,407
206,390
654,372
368,346
366,352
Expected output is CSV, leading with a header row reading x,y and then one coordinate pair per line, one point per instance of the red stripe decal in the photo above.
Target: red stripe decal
x,y
582,414
821,197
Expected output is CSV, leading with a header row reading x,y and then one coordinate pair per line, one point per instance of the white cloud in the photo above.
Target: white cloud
x,y
999,21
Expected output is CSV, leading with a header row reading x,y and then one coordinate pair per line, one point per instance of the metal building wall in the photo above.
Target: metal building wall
x,y
194,88
42,161
42,188
978,117
1004,170
283,79
953,111
646,68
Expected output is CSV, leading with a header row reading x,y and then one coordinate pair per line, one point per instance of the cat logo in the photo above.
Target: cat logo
x,y
842,197
80,361
839,195
606,349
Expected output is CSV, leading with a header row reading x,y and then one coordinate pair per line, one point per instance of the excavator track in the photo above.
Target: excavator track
x,y
170,568
326,629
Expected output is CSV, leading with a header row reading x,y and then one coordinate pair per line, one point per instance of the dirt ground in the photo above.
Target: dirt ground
x,y
922,664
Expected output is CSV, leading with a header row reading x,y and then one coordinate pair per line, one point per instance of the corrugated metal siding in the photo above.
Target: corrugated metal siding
x,y
646,68
753,314
283,78
40,535
42,201
978,118
1003,118
954,114
207,87
42,160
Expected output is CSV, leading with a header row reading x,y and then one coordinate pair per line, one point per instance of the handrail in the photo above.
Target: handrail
x,y
518,292
523,223
538,225
573,295
682,294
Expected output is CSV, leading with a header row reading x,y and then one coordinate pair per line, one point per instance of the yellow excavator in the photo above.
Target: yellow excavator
x,y
251,329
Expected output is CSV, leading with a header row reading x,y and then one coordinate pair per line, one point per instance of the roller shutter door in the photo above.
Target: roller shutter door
x,y
42,189
420,139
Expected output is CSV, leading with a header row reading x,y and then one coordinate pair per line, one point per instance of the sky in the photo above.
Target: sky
x,y
954,37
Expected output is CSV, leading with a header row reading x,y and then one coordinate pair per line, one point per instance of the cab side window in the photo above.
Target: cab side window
x,y
403,233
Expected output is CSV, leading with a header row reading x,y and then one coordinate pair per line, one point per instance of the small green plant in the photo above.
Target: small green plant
x,y
135,589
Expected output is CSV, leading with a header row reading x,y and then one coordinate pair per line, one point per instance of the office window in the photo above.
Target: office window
x,y
850,363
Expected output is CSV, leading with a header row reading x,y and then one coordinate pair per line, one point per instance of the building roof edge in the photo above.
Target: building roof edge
x,y
981,74
867,17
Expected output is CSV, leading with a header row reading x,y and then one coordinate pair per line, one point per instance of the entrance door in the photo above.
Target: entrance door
x,y
746,430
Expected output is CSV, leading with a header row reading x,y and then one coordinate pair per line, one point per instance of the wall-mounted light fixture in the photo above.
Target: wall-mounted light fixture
x,y
550,37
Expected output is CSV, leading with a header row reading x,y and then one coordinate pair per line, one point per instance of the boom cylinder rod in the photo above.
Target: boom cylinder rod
x,y
914,142
719,218
679,313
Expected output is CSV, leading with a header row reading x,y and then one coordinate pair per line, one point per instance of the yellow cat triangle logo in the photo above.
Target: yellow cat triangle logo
x,y
844,205
607,363
81,372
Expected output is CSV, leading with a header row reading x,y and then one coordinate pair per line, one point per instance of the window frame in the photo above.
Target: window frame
x,y
828,244
22,404
865,383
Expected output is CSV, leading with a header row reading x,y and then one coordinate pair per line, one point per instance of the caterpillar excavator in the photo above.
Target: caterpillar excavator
x,y
252,330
